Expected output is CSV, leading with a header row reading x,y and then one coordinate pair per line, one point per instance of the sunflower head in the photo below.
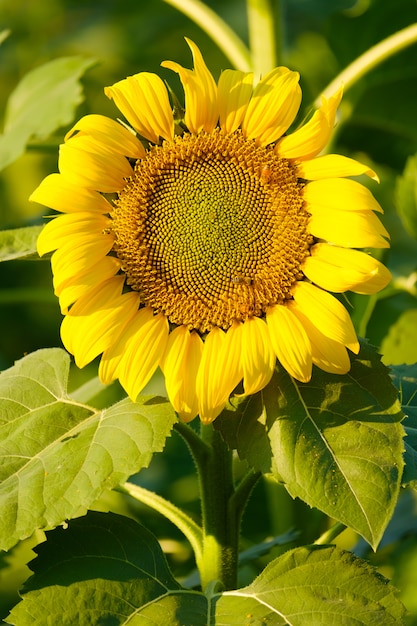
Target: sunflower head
x,y
209,246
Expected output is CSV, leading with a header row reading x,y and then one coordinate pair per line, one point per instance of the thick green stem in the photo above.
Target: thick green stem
x,y
262,36
220,520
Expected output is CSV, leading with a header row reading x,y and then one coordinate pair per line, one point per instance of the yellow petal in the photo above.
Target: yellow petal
x,y
258,357
311,138
70,261
290,342
56,192
326,313
95,321
342,194
329,355
109,133
340,269
71,289
143,100
355,229
273,107
201,107
141,346
69,227
87,163
180,366
332,166
235,91
206,375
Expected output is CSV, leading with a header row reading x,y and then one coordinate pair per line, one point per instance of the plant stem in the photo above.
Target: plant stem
x,y
261,36
222,35
329,535
170,511
370,59
221,521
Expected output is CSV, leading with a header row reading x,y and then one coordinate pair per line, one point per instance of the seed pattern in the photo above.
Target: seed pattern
x,y
211,229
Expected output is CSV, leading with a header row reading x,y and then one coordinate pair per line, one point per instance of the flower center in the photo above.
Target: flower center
x,y
211,229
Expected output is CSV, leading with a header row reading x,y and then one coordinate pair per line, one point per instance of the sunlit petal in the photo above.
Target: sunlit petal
x,y
180,365
310,139
326,313
58,193
87,163
333,166
290,341
258,357
201,107
143,100
235,91
109,133
96,320
340,269
273,107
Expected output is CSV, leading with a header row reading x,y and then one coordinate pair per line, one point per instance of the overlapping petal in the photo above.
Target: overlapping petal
x,y
143,100
109,133
58,193
235,92
309,140
333,166
290,341
85,162
329,355
273,106
201,107
180,365
258,357
95,321
57,232
326,313
341,269
221,354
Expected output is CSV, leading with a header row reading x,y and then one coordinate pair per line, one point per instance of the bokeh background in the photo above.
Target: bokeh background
x,y
378,125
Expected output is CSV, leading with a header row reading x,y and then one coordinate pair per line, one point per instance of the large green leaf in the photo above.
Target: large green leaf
x,y
335,442
19,243
107,569
44,100
58,455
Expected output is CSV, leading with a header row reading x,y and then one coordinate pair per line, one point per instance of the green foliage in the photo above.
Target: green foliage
x,y
335,443
406,195
19,243
107,569
44,100
57,455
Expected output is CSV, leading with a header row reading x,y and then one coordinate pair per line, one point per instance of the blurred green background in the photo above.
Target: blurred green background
x,y
377,125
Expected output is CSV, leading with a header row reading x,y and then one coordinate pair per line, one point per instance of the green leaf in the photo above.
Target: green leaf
x,y
44,100
313,585
336,442
58,455
406,196
19,243
405,379
104,569
399,345
108,569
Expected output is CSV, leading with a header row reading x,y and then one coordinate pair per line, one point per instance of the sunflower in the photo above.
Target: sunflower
x,y
207,241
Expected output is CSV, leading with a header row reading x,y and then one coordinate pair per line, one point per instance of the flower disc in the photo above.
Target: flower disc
x,y
211,229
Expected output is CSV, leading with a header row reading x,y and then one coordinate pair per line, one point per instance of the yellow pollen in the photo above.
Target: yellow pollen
x,y
211,229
